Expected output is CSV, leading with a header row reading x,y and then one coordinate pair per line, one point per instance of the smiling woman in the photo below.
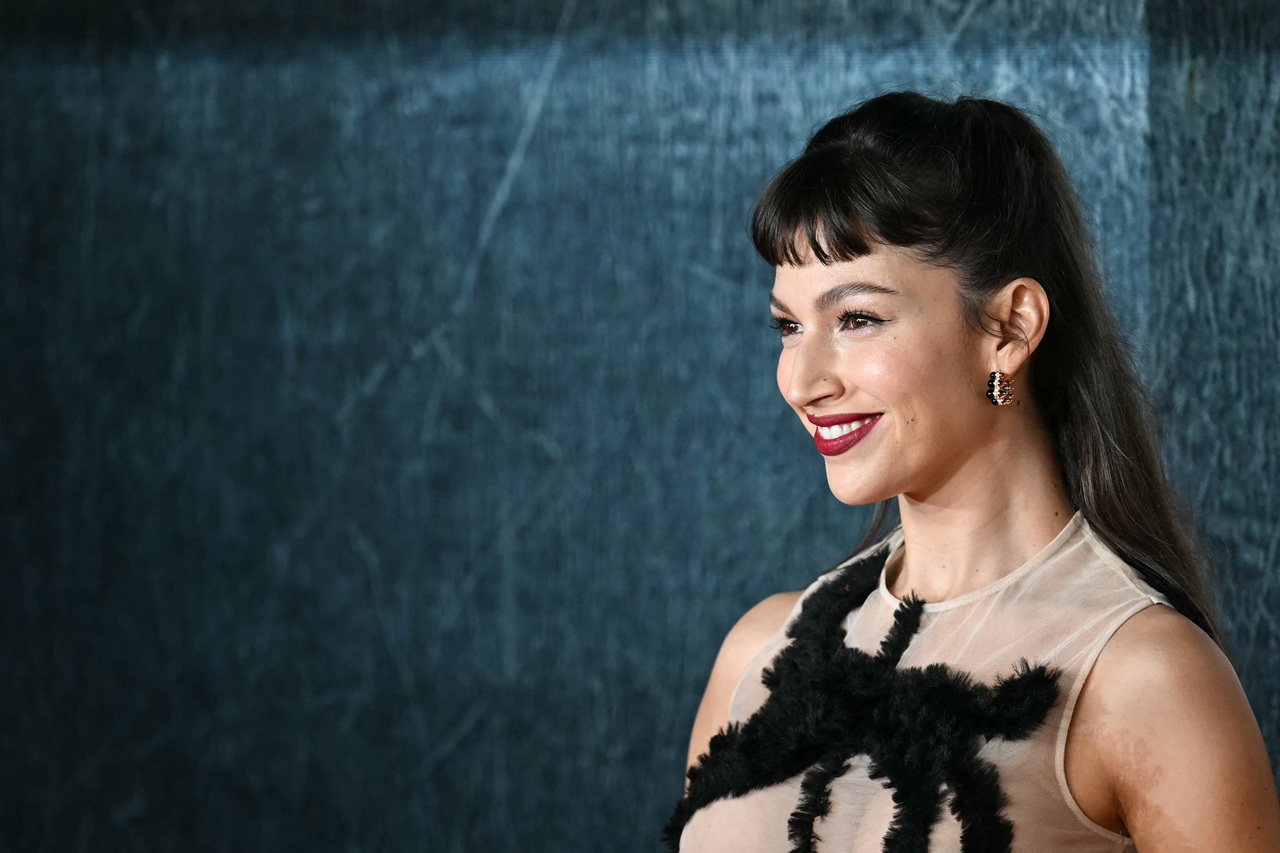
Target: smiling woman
x,y
1028,661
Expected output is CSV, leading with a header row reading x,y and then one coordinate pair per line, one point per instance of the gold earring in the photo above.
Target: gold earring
x,y
999,389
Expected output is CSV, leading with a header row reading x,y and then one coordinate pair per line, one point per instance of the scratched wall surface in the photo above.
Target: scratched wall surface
x,y
1215,281
388,430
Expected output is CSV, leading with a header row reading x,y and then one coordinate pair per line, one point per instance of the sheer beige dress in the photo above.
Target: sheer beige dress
x,y
1060,608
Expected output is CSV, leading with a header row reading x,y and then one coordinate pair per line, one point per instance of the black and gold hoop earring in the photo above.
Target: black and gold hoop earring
x,y
999,389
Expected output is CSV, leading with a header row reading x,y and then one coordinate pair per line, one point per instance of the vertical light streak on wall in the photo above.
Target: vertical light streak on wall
x,y
1215,155
516,160
508,613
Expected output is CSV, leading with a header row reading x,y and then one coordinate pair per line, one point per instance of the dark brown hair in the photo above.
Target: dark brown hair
x,y
973,185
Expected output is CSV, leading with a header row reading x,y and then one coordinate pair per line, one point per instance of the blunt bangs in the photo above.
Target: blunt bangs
x,y
835,205
806,212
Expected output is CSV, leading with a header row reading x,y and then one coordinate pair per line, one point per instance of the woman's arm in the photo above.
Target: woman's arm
x,y
1164,746
745,640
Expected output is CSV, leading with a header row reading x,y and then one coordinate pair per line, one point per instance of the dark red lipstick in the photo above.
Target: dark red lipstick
x,y
841,443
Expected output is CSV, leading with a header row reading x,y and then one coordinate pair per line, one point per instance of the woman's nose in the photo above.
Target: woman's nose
x,y
809,378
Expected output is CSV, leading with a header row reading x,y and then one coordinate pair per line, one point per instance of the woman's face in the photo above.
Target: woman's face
x,y
883,371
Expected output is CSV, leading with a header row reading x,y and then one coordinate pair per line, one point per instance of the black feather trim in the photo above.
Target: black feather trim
x,y
921,727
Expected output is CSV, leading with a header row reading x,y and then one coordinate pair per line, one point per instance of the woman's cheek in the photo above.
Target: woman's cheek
x,y
875,372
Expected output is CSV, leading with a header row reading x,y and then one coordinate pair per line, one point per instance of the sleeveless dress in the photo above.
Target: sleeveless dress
x,y
1048,620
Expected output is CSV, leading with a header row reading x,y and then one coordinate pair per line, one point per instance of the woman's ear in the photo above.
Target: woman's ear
x,y
1020,311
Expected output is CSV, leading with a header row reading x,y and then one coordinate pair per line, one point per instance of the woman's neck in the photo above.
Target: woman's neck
x,y
994,515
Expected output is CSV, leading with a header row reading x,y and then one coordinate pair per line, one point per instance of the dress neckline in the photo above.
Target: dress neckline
x,y
895,539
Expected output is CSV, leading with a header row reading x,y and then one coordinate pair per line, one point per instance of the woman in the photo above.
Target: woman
x,y
1029,660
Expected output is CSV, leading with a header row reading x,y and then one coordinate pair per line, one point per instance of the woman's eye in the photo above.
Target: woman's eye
x,y
784,327
857,320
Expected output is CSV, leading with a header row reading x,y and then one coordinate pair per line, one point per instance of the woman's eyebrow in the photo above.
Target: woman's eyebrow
x,y
833,297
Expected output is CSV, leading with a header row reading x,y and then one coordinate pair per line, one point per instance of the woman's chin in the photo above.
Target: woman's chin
x,y
855,494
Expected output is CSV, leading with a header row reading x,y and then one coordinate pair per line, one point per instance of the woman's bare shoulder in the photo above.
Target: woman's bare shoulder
x,y
747,639
758,626
1172,741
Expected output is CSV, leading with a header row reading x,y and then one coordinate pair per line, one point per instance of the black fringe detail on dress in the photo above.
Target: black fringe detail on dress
x,y
815,802
921,728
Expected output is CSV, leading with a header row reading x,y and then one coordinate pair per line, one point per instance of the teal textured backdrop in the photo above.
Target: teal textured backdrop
x,y
388,433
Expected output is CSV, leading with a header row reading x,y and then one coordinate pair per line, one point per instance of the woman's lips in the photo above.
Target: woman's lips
x,y
837,433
